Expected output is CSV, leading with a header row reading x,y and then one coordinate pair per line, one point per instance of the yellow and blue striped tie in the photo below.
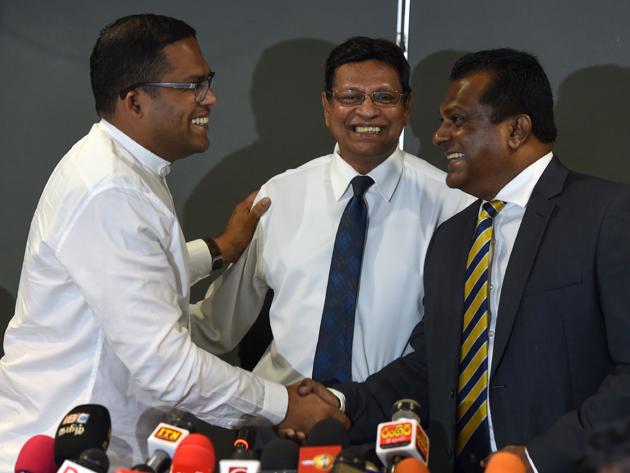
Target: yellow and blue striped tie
x,y
472,408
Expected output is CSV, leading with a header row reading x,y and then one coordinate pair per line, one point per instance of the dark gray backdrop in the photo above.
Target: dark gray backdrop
x,y
268,56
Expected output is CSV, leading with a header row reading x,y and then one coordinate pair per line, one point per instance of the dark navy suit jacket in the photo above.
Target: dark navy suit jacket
x,y
561,362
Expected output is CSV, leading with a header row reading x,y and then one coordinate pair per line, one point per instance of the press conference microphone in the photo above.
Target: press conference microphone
x,y
350,460
321,447
403,436
195,454
84,427
410,465
243,459
162,444
505,462
280,456
37,456
93,460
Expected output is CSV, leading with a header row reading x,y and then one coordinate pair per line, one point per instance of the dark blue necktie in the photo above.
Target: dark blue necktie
x,y
333,357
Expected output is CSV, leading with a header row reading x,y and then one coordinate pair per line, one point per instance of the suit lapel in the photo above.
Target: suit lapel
x,y
528,240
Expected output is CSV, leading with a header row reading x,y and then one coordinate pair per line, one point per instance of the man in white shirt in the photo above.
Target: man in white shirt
x,y
525,346
367,102
102,307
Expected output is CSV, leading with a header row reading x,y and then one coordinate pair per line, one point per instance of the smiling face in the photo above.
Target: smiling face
x,y
367,134
176,125
477,149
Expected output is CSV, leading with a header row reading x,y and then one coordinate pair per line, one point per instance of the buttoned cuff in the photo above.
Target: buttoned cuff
x,y
275,403
340,397
200,260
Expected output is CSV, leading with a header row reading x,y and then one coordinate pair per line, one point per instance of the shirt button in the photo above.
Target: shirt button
x,y
491,333
492,287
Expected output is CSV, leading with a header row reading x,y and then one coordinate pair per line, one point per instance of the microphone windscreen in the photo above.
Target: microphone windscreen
x,y
86,426
351,456
505,462
411,465
95,459
194,455
280,454
37,455
327,432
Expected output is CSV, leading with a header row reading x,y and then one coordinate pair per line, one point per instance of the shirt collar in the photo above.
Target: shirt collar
x,y
519,189
386,175
149,160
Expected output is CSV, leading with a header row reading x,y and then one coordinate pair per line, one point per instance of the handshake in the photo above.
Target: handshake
x,y
309,403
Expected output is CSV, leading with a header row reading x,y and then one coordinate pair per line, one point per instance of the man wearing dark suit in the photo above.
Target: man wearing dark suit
x,y
552,351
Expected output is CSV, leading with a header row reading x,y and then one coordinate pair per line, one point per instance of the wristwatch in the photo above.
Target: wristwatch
x,y
215,252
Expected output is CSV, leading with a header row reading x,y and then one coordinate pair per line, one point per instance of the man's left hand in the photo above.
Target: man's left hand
x,y
240,227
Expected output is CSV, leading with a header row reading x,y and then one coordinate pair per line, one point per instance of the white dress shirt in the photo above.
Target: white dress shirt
x,y
291,253
515,194
102,309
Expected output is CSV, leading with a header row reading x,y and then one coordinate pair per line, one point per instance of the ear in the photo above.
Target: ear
x,y
326,106
520,129
134,103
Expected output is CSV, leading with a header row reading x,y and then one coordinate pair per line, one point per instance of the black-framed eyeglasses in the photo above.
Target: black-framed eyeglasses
x,y
355,97
200,88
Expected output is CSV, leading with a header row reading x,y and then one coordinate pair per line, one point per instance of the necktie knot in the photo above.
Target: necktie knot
x,y
493,208
360,184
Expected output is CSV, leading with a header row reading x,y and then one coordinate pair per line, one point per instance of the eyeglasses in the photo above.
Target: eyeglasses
x,y
201,88
355,97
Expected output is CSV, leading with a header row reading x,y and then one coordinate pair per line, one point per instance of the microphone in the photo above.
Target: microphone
x,y
505,462
243,459
402,437
37,456
323,444
280,456
162,444
410,465
195,454
350,460
93,460
84,427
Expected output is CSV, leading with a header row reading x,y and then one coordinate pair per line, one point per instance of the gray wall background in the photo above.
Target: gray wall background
x,y
268,56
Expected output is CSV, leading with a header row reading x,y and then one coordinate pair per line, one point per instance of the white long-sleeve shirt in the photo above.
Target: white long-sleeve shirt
x,y
291,253
102,309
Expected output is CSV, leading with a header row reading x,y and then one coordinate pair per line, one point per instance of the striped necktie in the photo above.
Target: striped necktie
x,y
473,442
333,355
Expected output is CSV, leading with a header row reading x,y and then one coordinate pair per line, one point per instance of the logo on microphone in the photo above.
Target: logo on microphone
x,y
168,435
76,418
396,434
237,469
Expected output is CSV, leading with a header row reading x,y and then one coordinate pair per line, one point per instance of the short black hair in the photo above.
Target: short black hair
x,y
362,48
129,51
519,85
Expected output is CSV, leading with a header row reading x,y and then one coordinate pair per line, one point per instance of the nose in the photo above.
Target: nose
x,y
367,108
210,98
441,134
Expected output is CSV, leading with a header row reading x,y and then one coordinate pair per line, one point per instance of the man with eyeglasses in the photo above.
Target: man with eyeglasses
x,y
102,307
338,314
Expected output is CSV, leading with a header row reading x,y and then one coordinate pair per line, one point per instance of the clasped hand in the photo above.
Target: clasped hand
x,y
309,403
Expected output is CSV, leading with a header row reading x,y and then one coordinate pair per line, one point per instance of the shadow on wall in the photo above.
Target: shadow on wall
x,y
429,81
593,130
7,309
285,97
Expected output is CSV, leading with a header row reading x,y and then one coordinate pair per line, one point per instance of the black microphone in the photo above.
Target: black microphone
x,y
350,460
85,427
321,447
280,456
